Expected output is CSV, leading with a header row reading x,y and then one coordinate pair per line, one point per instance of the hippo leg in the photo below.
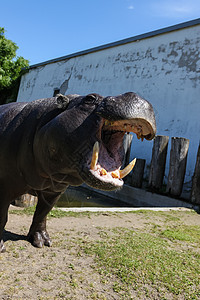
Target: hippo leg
x,y
3,221
38,234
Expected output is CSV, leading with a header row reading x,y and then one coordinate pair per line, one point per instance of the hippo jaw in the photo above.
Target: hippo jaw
x,y
103,167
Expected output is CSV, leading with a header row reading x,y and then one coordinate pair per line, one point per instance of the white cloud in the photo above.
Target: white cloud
x,y
131,7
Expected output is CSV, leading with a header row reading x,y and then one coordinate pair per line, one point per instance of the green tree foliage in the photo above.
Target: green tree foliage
x,y
10,69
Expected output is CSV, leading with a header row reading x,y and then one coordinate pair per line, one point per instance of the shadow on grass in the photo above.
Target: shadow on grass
x,y
10,236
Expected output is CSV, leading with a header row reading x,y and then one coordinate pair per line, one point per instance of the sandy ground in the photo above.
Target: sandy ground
x,y
59,272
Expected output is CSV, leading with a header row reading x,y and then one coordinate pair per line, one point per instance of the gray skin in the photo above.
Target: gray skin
x,y
47,144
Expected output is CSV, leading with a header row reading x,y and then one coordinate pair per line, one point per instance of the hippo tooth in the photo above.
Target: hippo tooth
x,y
95,155
127,169
115,175
103,172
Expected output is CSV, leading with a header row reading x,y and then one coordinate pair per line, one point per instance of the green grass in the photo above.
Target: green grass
x,y
173,215
54,213
23,211
138,259
160,261
183,233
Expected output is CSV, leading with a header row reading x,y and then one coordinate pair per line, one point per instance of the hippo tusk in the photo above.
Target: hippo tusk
x,y
127,169
95,156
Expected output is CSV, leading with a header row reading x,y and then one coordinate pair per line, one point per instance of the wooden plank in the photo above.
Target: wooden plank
x,y
25,200
138,172
158,161
127,148
195,192
177,168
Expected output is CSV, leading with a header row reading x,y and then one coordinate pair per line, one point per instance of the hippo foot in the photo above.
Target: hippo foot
x,y
39,239
2,247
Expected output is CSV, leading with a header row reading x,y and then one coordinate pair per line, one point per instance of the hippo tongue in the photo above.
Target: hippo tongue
x,y
115,174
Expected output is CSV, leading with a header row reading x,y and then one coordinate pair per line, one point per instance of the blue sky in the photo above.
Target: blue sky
x,y
46,29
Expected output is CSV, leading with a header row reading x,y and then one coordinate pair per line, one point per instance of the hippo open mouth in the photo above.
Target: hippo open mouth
x,y
108,153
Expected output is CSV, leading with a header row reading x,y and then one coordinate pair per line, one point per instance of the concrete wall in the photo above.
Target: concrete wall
x,y
163,68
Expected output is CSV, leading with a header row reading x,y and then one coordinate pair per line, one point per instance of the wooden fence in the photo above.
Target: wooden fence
x,y
177,168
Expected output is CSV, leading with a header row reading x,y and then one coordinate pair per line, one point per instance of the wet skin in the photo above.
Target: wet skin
x,y
48,144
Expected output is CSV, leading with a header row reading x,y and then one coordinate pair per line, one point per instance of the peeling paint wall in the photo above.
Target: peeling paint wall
x,y
164,69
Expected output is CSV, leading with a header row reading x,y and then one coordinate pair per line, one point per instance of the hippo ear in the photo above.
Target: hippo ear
x,y
62,101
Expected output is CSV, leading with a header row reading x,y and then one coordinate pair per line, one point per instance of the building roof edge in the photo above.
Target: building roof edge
x,y
122,42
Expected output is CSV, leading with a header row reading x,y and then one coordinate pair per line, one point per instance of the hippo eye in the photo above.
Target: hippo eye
x,y
91,99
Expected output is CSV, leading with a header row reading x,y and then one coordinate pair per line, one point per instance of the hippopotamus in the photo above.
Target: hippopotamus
x,y
48,144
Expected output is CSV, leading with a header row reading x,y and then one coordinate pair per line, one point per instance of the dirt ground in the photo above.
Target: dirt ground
x,y
59,272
